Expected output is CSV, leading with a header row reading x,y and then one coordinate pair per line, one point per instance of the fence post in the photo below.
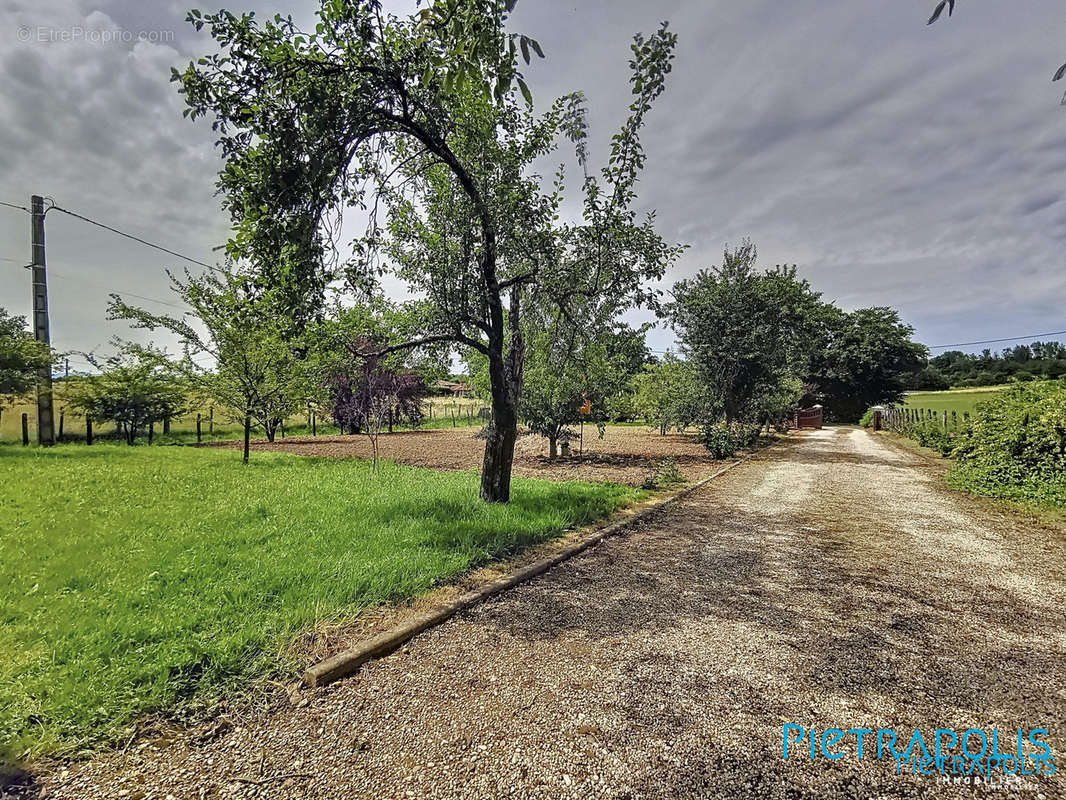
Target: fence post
x,y
88,430
211,420
314,424
62,414
25,429
199,421
954,420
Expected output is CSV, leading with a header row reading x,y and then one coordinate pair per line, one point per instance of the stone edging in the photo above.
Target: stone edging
x,y
349,661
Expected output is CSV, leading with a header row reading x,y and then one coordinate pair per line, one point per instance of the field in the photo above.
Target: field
x,y
957,400
141,578
441,412
627,454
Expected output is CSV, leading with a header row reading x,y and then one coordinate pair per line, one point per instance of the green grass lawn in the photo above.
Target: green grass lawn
x,y
958,400
139,579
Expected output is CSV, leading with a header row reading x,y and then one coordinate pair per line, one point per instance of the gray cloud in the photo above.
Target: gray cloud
x,y
894,163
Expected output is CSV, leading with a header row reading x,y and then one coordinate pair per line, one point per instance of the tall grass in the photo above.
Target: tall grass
x,y
136,579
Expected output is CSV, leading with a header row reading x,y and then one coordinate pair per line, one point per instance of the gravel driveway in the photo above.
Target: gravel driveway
x,y
828,581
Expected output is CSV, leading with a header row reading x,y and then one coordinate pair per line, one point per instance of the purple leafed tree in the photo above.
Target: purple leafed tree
x,y
367,397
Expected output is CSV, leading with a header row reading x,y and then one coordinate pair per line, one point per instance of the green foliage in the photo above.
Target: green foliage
x,y
21,355
260,367
179,573
667,394
426,119
666,475
931,433
863,358
746,332
568,366
867,418
1015,446
724,439
1038,359
136,388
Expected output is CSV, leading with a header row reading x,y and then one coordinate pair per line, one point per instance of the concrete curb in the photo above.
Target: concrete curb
x,y
349,661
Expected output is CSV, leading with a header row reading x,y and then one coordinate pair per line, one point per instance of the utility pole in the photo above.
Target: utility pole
x,y
46,432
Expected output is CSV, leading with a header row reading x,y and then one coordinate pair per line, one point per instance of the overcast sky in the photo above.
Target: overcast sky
x,y
896,164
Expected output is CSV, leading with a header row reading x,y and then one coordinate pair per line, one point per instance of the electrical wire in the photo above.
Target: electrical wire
x,y
82,217
13,205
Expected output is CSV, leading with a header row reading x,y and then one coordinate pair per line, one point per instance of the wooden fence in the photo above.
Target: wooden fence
x,y
904,419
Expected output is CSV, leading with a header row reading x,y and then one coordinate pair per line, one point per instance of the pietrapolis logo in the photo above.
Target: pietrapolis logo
x,y
973,752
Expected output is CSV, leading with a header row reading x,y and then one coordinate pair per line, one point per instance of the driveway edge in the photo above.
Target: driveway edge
x,y
349,661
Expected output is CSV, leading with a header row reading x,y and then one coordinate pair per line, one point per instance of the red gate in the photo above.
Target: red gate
x,y
809,418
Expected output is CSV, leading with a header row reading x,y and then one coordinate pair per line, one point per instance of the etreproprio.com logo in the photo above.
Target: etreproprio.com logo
x,y
971,753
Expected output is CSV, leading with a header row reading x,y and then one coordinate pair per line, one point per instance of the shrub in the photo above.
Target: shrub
x,y
1016,444
930,433
867,418
723,440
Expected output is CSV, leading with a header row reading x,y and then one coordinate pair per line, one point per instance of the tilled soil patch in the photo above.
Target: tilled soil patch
x,y
626,455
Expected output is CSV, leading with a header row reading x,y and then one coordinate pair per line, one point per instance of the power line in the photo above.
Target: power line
x,y
13,205
128,235
931,346
995,341
78,279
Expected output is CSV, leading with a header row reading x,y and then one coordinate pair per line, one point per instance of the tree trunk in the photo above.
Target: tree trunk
x,y
271,428
553,447
505,383
499,453
247,435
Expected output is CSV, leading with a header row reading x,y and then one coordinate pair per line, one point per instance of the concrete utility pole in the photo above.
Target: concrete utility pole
x,y
46,432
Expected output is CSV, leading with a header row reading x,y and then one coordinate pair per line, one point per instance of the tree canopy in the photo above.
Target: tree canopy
x,y
425,123
21,356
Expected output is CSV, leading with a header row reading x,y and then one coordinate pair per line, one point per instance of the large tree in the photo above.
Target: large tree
x,y
427,118
865,358
21,356
746,331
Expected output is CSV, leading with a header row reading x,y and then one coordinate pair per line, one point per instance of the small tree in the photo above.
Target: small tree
x,y
667,394
370,398
259,372
136,388
21,356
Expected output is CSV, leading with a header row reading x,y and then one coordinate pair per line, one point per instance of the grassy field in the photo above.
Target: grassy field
x,y
441,412
140,578
958,400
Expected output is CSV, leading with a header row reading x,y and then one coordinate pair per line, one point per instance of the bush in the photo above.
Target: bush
x,y
1016,444
930,433
867,418
724,440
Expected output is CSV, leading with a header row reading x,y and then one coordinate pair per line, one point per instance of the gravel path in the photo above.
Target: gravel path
x,y
829,580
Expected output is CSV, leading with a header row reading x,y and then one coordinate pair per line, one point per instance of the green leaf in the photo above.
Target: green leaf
x,y
536,46
525,91
525,48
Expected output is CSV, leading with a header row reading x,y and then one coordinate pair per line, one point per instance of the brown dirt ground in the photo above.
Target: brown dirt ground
x,y
625,455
